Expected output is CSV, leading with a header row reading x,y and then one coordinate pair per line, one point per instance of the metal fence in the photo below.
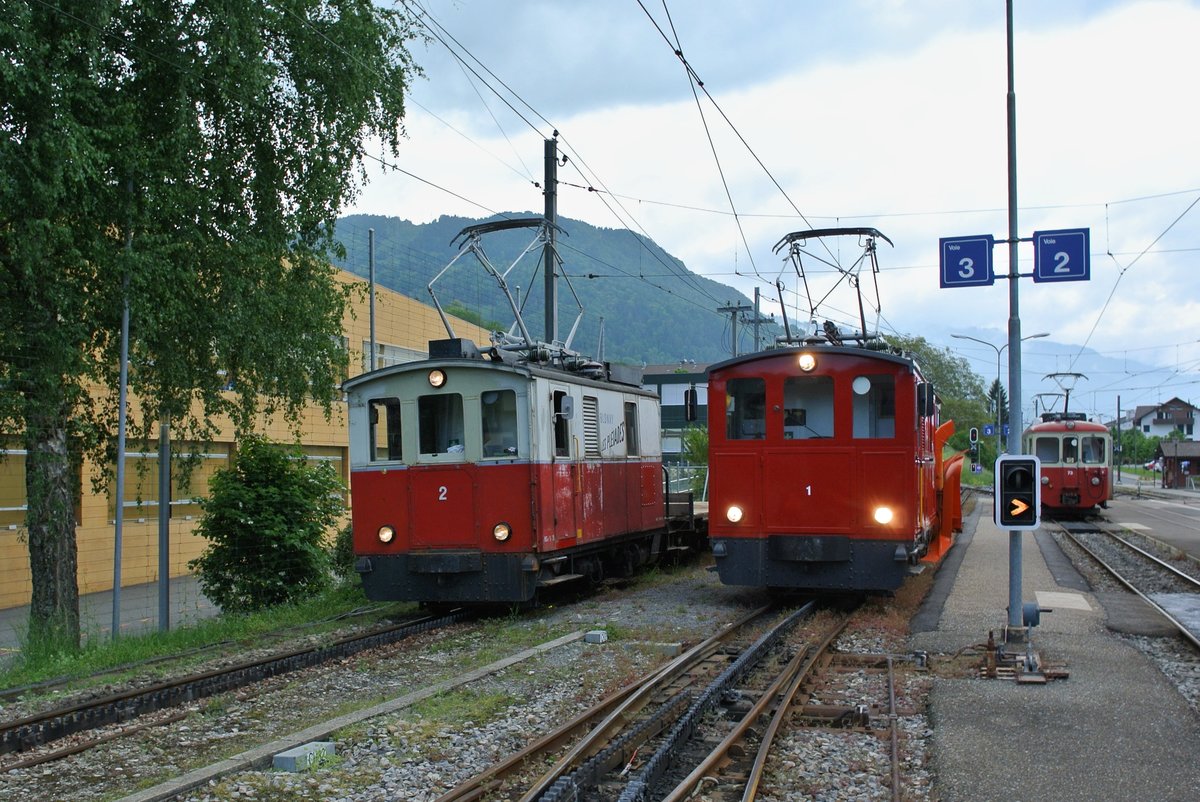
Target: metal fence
x,y
683,477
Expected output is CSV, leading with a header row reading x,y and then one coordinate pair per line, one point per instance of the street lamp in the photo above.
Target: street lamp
x,y
998,351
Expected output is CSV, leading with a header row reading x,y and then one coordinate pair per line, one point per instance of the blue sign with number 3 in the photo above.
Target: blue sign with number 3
x,y
966,261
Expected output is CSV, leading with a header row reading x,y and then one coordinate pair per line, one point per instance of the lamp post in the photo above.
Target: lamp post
x,y
999,350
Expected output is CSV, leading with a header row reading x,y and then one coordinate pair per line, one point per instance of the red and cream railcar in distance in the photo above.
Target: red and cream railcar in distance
x,y
480,479
1076,460
826,470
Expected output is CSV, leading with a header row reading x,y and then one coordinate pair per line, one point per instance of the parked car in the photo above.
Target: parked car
x,y
1153,465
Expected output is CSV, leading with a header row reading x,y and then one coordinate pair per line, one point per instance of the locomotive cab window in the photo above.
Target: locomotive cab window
x,y
745,409
1070,450
807,407
385,430
1046,449
1093,450
498,416
441,421
874,406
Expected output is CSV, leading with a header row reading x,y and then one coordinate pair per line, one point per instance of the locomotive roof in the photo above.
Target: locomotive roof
x,y
819,348
520,369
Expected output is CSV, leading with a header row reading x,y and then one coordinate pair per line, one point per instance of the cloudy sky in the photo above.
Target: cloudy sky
x,y
888,114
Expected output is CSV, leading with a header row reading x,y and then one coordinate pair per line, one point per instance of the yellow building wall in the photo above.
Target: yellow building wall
x,y
399,321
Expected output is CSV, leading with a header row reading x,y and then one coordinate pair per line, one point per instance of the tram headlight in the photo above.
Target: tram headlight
x,y
437,378
1045,479
386,534
884,515
807,362
733,514
1095,481
501,532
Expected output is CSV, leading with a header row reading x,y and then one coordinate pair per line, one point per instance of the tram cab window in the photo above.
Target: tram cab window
x,y
441,422
563,410
1046,449
745,409
1093,450
498,417
873,403
631,429
1070,452
807,407
385,430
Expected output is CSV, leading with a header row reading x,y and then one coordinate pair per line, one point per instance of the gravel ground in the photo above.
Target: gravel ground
x,y
418,753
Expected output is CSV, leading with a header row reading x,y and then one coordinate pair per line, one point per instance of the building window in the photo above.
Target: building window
x,y
1146,428
189,483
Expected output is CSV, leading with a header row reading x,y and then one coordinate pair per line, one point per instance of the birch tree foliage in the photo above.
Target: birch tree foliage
x,y
187,158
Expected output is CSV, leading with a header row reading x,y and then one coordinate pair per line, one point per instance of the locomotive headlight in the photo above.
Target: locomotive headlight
x,y
386,534
807,362
734,513
437,378
501,531
883,515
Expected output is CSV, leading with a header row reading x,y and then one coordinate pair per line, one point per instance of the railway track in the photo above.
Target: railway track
x,y
704,723
1173,592
36,731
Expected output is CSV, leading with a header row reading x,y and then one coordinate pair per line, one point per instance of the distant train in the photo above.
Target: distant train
x,y
1076,461
826,469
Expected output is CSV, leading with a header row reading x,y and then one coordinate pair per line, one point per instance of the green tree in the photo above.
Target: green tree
x,y
959,387
188,160
266,520
998,395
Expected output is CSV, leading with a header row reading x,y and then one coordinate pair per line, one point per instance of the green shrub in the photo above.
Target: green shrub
x,y
265,520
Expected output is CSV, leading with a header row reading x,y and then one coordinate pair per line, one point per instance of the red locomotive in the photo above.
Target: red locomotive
x,y
826,470
484,476
1076,460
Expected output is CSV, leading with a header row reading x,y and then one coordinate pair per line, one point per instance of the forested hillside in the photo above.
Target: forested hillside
x,y
654,310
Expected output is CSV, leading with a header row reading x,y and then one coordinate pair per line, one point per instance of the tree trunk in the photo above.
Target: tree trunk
x,y
50,487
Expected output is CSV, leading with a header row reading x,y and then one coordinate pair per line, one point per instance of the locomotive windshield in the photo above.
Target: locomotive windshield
x,y
807,407
385,430
745,409
874,404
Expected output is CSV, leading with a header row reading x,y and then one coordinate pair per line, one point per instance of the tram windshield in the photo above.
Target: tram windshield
x,y
1046,449
385,430
498,416
441,423
1093,450
874,404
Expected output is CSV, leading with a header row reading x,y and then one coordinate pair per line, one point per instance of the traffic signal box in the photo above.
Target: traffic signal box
x,y
1018,492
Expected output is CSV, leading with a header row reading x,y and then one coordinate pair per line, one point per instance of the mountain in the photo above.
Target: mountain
x,y
654,309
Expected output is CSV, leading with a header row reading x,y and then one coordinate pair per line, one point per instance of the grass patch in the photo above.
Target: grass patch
x,y
456,707
132,652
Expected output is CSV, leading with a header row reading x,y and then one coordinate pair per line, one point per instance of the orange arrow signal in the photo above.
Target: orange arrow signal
x,y
1018,506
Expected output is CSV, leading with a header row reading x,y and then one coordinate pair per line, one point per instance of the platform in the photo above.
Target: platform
x,y
1116,728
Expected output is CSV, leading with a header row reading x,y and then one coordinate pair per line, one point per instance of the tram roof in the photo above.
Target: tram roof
x,y
819,348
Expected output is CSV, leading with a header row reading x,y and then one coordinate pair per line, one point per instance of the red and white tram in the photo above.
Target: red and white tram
x,y
482,477
1076,460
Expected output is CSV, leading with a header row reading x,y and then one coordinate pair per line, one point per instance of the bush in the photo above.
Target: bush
x,y
265,520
